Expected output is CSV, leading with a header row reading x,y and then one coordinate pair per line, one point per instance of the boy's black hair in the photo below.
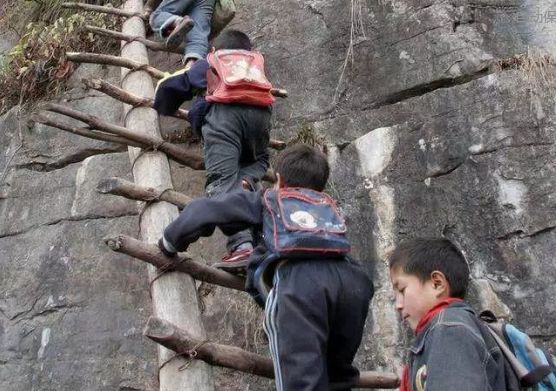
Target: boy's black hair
x,y
232,39
420,257
303,166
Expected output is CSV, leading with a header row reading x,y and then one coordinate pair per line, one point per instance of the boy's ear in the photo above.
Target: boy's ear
x,y
440,284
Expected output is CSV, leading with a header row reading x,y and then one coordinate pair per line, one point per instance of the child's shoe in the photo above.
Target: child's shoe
x,y
163,246
177,35
235,262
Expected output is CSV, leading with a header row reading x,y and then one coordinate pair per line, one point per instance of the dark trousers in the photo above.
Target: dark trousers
x,y
236,139
314,318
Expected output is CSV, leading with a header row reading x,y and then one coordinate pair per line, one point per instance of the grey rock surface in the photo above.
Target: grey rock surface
x,y
438,123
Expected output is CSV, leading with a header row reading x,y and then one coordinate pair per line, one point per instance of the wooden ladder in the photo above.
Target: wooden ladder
x,y
172,279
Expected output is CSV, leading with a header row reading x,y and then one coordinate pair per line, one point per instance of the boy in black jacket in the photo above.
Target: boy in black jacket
x,y
235,135
317,306
450,351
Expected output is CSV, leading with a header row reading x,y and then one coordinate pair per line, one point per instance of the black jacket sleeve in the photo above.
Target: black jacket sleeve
x,y
179,87
231,213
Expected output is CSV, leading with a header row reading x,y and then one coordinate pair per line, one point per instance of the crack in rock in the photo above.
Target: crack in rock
x,y
70,159
67,219
520,234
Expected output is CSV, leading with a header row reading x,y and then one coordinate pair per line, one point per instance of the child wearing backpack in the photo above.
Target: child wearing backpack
x,y
233,118
317,298
453,348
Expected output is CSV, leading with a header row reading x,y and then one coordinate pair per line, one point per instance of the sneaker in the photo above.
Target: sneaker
x,y
235,262
177,35
164,250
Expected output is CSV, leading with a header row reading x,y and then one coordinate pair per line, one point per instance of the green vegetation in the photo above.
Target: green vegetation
x,y
539,67
37,66
307,134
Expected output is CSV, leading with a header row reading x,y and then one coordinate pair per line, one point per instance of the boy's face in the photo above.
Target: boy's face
x,y
413,297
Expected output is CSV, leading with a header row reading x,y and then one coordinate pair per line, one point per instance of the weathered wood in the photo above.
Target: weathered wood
x,y
174,295
173,151
101,9
180,341
107,59
279,92
151,254
375,379
151,5
126,97
153,45
127,189
89,133
139,101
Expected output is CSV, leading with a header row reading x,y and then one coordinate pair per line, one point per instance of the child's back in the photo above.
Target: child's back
x,y
234,123
317,305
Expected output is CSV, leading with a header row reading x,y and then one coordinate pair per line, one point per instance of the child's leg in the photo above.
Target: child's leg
x,y
296,323
222,136
254,161
196,41
353,291
166,13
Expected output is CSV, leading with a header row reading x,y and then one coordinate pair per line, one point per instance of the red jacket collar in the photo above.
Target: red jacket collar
x,y
434,311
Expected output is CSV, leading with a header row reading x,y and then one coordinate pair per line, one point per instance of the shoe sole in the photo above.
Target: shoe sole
x,y
238,268
176,37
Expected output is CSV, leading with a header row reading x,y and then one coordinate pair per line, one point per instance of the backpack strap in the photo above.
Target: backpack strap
x,y
520,370
537,375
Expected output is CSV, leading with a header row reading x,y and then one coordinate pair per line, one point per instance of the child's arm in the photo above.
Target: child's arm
x,y
173,90
457,359
231,213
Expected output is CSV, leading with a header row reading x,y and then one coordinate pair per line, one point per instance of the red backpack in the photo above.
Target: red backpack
x,y
237,76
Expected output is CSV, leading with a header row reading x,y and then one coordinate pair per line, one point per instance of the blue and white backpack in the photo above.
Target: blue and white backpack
x,y
298,223
301,223
534,368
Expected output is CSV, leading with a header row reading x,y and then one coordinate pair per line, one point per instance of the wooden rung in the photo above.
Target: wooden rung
x,y
85,132
102,9
127,189
126,97
151,254
180,341
173,151
134,100
157,46
107,59
128,137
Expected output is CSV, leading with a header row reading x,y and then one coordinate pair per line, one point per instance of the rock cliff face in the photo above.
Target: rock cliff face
x,y
439,121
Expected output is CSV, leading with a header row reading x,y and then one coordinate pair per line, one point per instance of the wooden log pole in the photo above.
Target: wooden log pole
x,y
127,189
174,295
173,151
151,5
101,9
126,97
156,46
89,133
151,254
180,341
107,59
